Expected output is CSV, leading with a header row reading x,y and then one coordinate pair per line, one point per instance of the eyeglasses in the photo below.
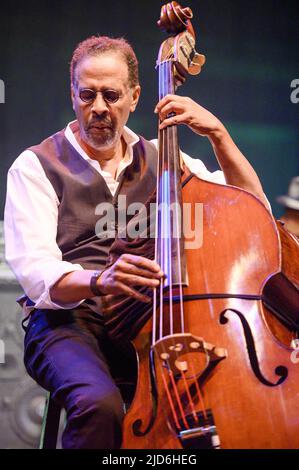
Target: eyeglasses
x,y
88,95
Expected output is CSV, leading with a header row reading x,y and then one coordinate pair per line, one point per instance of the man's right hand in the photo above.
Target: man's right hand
x,y
126,273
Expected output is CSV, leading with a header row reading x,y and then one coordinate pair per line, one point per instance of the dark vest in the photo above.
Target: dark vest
x,y
80,188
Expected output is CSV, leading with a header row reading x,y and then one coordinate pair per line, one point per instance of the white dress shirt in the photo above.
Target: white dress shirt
x,y
31,214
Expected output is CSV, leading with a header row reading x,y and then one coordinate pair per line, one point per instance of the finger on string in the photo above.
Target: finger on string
x,y
170,108
142,262
132,269
174,120
134,293
166,99
132,280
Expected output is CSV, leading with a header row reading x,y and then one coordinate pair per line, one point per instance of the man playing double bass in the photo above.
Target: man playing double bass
x,y
53,191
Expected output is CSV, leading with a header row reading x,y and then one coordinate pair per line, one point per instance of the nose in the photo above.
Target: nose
x,y
99,106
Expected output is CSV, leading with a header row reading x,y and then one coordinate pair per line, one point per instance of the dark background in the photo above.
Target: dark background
x,y
252,51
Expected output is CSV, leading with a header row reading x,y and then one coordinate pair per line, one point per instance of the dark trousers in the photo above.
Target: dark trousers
x,y
69,354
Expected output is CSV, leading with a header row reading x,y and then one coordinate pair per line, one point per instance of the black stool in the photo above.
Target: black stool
x,y
50,424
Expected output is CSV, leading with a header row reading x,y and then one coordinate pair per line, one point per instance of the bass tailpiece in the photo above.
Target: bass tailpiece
x,y
202,436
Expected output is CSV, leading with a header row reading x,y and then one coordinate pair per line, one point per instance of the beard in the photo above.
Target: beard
x,y
101,133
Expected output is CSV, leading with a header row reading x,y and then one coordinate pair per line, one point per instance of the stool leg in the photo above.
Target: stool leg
x,y
50,424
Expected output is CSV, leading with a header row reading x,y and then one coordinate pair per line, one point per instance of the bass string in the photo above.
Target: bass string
x,y
168,240
163,249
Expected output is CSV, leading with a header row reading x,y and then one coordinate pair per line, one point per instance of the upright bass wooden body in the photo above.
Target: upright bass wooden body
x,y
217,364
252,388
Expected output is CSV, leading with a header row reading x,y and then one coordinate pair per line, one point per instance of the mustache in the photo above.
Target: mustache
x,y
100,122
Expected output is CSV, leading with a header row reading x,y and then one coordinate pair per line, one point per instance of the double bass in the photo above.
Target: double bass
x,y
217,349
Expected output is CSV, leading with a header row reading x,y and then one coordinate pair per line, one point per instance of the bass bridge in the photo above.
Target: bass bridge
x,y
185,361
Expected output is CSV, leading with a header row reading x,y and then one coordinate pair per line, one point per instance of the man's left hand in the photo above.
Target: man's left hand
x,y
188,112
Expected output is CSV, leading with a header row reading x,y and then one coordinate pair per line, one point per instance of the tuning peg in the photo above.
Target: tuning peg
x,y
196,64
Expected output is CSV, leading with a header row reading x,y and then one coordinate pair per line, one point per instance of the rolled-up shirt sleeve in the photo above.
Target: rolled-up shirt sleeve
x,y
30,229
197,167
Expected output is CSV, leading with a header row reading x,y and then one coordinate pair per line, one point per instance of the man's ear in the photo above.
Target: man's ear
x,y
135,97
73,96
